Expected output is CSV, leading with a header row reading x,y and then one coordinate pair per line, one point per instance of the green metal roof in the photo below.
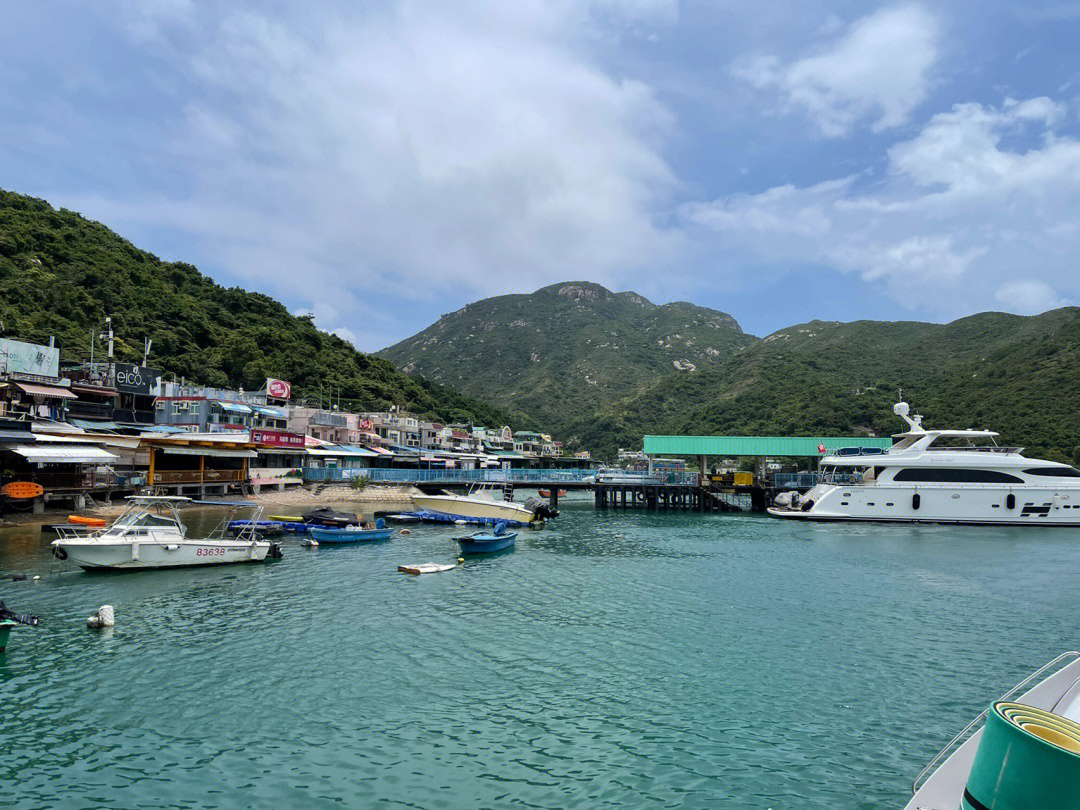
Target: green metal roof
x,y
755,445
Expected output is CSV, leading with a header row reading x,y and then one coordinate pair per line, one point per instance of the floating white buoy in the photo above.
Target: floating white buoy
x,y
37,577
461,522
460,560
105,617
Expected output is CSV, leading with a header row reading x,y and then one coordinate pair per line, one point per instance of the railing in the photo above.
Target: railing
x,y
810,479
489,476
196,477
643,478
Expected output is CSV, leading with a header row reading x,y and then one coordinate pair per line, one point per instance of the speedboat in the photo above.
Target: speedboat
x,y
1021,753
485,542
352,534
480,504
938,476
150,534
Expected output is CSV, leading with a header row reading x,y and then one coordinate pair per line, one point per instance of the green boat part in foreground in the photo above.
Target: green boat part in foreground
x,y
5,631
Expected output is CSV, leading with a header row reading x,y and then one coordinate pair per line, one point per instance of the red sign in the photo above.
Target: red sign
x,y
277,438
278,389
367,424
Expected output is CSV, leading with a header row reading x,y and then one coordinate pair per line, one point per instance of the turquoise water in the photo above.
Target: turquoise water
x,y
693,661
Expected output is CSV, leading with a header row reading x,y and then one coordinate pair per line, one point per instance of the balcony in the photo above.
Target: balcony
x,y
196,477
86,409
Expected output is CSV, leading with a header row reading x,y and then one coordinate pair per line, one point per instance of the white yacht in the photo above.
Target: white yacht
x,y
150,534
939,476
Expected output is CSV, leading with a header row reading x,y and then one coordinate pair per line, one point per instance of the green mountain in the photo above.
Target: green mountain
x,y
61,274
567,349
1013,374
600,367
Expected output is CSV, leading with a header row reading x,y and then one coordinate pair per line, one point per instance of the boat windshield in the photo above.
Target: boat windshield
x,y
144,520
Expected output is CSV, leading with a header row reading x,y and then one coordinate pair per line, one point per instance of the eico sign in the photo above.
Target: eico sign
x,y
278,389
136,379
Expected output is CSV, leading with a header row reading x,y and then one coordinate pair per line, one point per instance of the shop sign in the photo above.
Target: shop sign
x,y
367,425
17,357
507,434
137,379
278,389
278,438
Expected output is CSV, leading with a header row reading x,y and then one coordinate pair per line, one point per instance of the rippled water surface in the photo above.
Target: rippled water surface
x,y
619,659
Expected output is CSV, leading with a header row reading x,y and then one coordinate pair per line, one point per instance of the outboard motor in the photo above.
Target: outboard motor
x,y
540,509
274,552
28,619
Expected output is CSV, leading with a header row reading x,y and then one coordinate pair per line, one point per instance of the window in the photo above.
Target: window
x,y
954,476
1054,472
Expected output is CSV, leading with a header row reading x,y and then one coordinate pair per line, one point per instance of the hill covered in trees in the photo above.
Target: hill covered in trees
x,y
567,349
61,274
601,367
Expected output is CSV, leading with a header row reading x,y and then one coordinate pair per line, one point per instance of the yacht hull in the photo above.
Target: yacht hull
x,y
475,508
140,555
974,504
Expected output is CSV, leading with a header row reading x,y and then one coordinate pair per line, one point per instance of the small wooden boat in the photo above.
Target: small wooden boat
x,y
546,493
83,520
486,542
425,568
352,534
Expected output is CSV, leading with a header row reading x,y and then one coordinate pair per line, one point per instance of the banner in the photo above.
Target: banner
x,y
17,357
277,389
507,434
132,379
278,438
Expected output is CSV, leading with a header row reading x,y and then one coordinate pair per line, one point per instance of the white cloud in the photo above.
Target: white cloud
x,y
420,149
958,215
880,67
1029,297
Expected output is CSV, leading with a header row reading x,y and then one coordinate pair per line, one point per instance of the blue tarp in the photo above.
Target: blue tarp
x,y
233,407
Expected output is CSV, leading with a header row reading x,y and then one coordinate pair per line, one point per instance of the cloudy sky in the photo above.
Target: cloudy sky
x,y
379,164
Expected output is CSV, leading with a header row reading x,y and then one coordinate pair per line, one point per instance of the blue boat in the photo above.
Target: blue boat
x,y
352,534
485,542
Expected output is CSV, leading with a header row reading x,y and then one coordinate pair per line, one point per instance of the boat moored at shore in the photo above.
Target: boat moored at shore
x,y
150,534
480,504
939,476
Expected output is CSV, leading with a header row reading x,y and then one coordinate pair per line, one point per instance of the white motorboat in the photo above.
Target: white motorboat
x,y
150,534
1026,756
480,504
939,476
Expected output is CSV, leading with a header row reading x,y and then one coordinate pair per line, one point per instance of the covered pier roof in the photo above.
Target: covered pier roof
x,y
756,445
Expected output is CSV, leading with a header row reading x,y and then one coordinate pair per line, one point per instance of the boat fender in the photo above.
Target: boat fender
x,y
916,501
1010,501
172,547
460,560
274,552
807,505
59,553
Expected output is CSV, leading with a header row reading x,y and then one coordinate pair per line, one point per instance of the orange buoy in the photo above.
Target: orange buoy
x,y
22,489
86,521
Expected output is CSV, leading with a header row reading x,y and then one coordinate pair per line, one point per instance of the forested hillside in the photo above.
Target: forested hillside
x,y
568,349
61,274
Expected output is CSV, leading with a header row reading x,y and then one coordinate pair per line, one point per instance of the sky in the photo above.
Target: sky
x,y
380,164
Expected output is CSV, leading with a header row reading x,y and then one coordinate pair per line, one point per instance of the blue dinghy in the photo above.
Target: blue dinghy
x,y
484,542
352,534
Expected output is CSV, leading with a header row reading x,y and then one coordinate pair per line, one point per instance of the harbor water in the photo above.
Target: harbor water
x,y
614,659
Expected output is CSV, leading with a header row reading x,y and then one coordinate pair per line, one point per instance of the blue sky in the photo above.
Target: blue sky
x,y
379,164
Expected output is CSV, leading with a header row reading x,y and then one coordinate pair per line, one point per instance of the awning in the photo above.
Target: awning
x,y
17,436
46,391
94,389
52,454
87,424
209,452
157,428
233,407
382,451
274,413
341,451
